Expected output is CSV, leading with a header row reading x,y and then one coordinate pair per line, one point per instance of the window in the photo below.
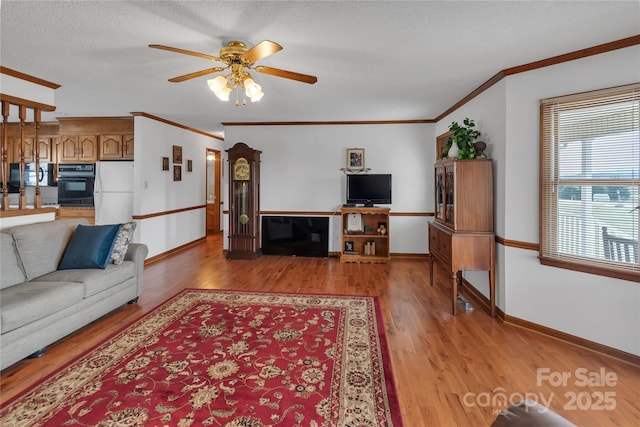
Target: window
x,y
590,161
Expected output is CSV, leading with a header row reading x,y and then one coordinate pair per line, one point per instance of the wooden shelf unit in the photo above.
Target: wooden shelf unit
x,y
461,236
371,219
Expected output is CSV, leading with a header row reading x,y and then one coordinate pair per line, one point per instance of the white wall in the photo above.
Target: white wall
x,y
596,308
600,309
25,89
12,221
300,172
156,192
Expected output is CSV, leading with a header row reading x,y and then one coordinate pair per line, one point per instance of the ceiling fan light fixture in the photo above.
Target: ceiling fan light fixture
x,y
249,85
217,83
219,87
240,60
253,90
257,97
223,93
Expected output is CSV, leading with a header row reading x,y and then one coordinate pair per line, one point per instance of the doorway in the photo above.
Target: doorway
x,y
214,161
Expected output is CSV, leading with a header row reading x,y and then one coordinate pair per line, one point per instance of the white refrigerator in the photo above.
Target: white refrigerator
x,y
113,192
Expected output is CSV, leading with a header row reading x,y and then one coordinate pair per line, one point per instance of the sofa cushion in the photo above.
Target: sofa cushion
x,y
90,247
125,236
41,245
12,272
93,280
27,302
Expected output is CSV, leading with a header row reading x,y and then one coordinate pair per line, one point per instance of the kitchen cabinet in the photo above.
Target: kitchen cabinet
x,y
47,137
116,147
78,148
47,150
88,139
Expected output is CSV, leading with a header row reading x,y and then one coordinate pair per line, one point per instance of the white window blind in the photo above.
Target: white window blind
x,y
590,164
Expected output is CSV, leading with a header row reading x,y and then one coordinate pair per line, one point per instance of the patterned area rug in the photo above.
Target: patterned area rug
x,y
225,358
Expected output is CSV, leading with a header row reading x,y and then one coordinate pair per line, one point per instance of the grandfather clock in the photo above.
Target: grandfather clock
x,y
244,196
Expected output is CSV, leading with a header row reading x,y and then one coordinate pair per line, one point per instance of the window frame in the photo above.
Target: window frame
x,y
549,254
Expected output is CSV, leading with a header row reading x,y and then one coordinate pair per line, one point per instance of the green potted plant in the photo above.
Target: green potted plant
x,y
463,136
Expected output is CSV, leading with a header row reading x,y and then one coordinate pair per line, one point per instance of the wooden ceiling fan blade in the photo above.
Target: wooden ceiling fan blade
x,y
261,50
304,78
186,52
196,74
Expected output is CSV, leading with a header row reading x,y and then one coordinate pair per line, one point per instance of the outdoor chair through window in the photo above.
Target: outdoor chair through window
x,y
619,248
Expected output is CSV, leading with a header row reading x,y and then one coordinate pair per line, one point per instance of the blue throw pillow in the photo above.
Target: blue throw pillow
x,y
90,247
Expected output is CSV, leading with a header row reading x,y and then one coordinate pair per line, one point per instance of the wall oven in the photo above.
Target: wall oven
x,y
75,184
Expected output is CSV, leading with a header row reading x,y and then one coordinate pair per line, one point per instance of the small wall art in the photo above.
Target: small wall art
x,y
165,163
177,154
177,173
355,159
189,165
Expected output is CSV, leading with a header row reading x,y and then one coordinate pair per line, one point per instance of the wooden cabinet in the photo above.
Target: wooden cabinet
x,y
78,148
88,139
464,194
47,137
365,235
461,237
116,147
15,147
47,149
127,146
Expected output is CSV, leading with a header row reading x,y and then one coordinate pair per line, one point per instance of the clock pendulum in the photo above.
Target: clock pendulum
x,y
244,218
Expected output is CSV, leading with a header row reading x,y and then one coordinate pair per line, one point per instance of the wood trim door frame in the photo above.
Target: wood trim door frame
x,y
213,162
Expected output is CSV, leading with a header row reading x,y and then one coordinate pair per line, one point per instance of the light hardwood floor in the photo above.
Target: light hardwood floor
x,y
449,371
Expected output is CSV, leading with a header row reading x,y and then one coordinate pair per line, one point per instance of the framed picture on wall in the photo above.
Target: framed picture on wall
x,y
177,173
177,154
165,163
189,165
355,158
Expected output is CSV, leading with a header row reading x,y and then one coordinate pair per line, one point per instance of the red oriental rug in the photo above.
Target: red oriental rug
x,y
225,358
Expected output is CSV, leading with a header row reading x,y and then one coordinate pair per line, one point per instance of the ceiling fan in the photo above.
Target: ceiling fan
x,y
239,61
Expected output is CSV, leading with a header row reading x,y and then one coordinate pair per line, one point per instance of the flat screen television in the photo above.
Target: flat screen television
x,y
369,189
295,235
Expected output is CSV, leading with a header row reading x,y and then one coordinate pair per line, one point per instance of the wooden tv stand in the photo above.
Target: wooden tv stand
x,y
366,244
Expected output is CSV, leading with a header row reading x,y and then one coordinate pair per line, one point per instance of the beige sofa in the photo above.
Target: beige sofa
x,y
39,304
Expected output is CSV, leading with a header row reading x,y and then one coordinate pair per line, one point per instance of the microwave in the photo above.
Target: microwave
x,y
44,175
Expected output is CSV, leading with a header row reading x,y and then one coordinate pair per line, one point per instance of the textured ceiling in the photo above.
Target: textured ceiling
x,y
374,60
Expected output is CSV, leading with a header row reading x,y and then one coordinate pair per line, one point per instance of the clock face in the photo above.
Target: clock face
x,y
241,170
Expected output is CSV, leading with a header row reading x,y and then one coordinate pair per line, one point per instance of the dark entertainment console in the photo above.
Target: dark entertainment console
x,y
306,236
